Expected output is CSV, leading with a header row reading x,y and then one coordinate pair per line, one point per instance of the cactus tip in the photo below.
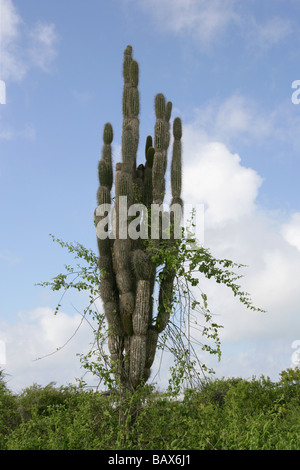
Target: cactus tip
x,y
160,105
108,133
128,50
148,144
177,128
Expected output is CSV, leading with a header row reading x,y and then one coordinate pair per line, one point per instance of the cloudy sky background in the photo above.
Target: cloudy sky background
x,y
228,67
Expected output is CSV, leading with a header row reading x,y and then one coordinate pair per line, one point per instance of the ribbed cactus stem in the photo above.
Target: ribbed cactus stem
x,y
165,298
148,144
138,345
168,110
176,170
131,105
161,143
128,150
134,73
149,157
152,337
105,172
127,63
140,319
107,280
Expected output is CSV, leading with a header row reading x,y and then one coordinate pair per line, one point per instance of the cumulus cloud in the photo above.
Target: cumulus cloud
x,y
291,230
237,228
12,65
24,46
216,178
31,342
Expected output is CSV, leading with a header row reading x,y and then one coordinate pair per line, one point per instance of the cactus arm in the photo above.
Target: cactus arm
x,y
161,143
108,289
176,166
168,273
124,187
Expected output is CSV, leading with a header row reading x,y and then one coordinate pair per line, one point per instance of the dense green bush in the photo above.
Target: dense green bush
x,y
222,414
9,415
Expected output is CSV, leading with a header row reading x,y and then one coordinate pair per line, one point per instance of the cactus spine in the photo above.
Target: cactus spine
x,y
127,271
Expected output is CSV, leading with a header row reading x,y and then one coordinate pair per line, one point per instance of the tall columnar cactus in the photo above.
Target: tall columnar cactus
x,y
128,272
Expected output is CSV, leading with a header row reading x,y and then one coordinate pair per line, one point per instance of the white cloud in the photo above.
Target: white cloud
x,y
237,117
207,21
238,229
12,66
240,119
256,358
291,230
43,45
37,334
10,21
214,176
203,20
270,33
23,46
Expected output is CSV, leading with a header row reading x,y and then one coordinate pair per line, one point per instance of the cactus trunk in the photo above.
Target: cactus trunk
x,y
128,272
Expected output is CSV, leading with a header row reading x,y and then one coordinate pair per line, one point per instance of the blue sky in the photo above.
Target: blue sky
x,y
228,68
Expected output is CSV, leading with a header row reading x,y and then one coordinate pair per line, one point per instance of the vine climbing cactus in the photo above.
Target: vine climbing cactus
x,y
127,264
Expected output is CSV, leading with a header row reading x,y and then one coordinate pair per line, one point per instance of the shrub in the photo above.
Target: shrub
x,y
236,414
9,416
